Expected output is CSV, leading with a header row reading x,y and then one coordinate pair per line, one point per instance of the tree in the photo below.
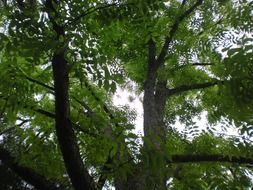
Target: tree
x,y
62,61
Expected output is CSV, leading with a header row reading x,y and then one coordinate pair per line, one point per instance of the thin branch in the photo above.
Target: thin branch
x,y
23,122
216,23
242,138
29,175
39,83
35,81
105,169
90,113
76,126
45,113
174,28
191,65
104,106
52,115
90,11
210,158
7,130
185,88
200,64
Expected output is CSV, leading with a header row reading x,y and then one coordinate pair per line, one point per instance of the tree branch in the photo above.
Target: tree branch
x,y
210,158
102,178
174,28
46,113
76,126
9,129
52,115
200,64
108,131
29,175
185,88
190,65
90,11
78,173
104,106
39,83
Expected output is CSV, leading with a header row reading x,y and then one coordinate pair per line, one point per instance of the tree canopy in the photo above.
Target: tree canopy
x,y
62,62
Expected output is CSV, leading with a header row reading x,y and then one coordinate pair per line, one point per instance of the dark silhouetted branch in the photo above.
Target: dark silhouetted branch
x,y
29,175
174,28
176,68
185,88
45,113
40,83
200,64
67,140
210,158
105,169
7,130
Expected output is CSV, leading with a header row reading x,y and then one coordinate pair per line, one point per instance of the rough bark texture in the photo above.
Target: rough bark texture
x,y
154,130
152,119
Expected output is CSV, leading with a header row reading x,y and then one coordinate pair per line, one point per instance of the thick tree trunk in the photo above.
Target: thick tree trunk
x,y
154,132
152,118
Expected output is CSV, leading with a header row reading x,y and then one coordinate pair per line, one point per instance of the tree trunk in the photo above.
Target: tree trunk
x,y
146,177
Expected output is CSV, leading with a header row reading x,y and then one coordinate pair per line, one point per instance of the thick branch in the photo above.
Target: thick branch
x,y
211,158
79,175
29,175
185,88
174,28
77,172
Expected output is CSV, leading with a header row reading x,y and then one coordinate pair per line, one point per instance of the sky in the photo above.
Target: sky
x,y
125,97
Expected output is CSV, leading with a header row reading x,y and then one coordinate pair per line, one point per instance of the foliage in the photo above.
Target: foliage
x,y
207,68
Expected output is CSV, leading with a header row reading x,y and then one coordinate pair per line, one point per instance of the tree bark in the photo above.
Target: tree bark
x,y
79,176
154,130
